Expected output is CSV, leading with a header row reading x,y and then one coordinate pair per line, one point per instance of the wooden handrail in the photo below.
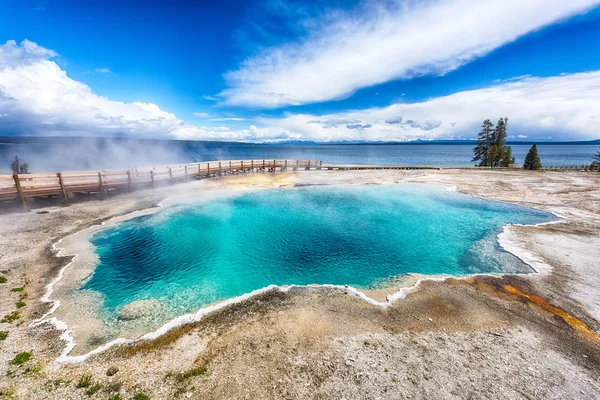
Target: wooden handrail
x,y
22,186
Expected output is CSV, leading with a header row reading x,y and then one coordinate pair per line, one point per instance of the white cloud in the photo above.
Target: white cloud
x,y
376,43
104,71
228,119
564,107
202,115
38,98
23,54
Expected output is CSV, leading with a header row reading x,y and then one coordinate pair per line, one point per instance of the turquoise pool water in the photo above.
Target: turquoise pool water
x,y
193,255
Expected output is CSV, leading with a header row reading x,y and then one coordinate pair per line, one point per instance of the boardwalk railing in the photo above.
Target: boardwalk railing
x,y
22,186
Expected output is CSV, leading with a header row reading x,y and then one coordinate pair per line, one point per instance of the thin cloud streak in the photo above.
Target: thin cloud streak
x,y
378,43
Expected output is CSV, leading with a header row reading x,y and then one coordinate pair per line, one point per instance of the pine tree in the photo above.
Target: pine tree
x,y
501,152
532,160
15,165
484,143
507,157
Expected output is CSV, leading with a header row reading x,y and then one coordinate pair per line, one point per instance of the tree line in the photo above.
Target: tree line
x,y
491,149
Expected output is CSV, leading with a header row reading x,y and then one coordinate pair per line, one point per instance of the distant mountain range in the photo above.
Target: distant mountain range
x,y
72,139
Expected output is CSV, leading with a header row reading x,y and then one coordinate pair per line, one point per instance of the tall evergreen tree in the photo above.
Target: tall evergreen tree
x,y
507,157
532,160
483,144
501,153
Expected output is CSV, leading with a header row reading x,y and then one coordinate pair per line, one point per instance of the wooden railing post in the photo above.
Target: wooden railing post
x,y
252,166
219,168
285,163
308,166
208,170
20,190
152,177
296,167
320,164
170,175
263,166
100,185
230,170
242,164
186,174
129,179
63,188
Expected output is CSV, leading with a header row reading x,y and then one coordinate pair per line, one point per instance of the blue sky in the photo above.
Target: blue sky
x,y
298,70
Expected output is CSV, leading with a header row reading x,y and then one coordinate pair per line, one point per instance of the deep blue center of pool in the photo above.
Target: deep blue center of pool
x,y
193,255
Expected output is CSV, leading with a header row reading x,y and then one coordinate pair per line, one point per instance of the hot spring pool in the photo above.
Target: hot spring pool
x,y
189,256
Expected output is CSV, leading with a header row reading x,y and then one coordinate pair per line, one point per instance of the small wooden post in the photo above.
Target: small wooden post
x,y
152,176
242,164
230,170
274,165
129,180
100,185
219,168
308,167
252,166
20,190
170,175
63,188
296,167
186,174
208,170
199,171
285,163
263,166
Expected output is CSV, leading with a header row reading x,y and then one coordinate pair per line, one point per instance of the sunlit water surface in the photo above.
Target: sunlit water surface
x,y
190,256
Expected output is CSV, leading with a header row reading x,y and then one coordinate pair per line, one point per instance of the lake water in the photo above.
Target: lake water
x,y
187,257
95,154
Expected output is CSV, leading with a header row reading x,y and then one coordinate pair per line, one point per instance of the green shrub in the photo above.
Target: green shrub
x,y
93,389
3,335
141,396
20,304
21,358
84,381
11,317
115,397
17,289
183,376
3,279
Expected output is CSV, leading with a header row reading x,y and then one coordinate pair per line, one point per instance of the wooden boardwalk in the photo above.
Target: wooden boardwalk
x,y
20,187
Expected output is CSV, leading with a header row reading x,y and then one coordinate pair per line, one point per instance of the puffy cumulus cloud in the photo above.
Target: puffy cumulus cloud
x,y
382,41
565,107
25,53
38,98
